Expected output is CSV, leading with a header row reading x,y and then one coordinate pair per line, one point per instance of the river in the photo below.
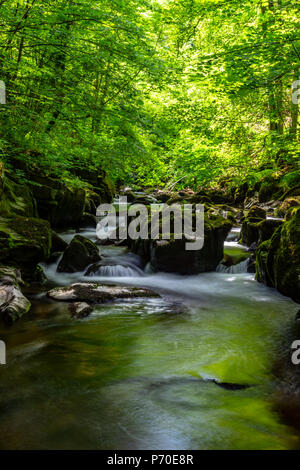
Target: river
x,y
189,370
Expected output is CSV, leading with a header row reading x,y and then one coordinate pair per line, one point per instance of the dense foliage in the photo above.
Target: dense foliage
x,y
153,91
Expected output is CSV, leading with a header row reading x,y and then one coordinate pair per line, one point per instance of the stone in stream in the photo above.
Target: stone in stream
x,y
80,309
97,293
13,304
172,256
79,254
58,244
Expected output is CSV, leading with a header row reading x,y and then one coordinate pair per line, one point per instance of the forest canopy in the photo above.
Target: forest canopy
x,y
152,91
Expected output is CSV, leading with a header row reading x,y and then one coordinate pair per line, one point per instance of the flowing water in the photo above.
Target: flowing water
x,y
188,370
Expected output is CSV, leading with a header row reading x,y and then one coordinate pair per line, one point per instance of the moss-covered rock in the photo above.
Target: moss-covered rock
x,y
172,255
62,205
278,260
255,230
286,205
80,253
16,199
257,212
24,241
98,179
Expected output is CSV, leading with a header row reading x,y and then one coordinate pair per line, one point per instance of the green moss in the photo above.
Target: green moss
x,y
278,260
16,199
24,241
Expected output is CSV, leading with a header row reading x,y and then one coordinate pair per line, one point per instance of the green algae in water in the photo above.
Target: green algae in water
x,y
135,375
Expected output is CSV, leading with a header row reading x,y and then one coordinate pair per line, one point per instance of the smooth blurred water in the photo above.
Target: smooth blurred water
x,y
137,374
134,374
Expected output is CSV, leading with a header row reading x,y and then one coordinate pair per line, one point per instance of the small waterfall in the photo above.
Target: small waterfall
x,y
235,269
117,271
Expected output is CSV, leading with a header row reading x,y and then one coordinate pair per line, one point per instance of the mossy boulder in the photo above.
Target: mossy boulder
x,y
24,241
286,205
251,224
16,199
79,254
62,205
255,230
257,212
278,260
172,255
100,182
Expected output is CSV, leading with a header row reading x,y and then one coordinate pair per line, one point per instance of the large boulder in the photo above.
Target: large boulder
x,y
15,199
61,204
173,257
13,304
79,254
24,241
98,179
278,259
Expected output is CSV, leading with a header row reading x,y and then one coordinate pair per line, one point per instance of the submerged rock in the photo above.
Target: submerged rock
x,y
97,293
13,304
80,309
79,254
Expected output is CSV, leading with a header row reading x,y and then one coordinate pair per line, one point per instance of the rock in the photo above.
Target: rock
x,y
171,255
269,189
13,304
87,220
131,196
286,205
80,253
58,244
251,224
163,196
16,199
34,275
58,203
97,293
257,212
24,242
80,309
256,230
278,259
54,257
99,180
